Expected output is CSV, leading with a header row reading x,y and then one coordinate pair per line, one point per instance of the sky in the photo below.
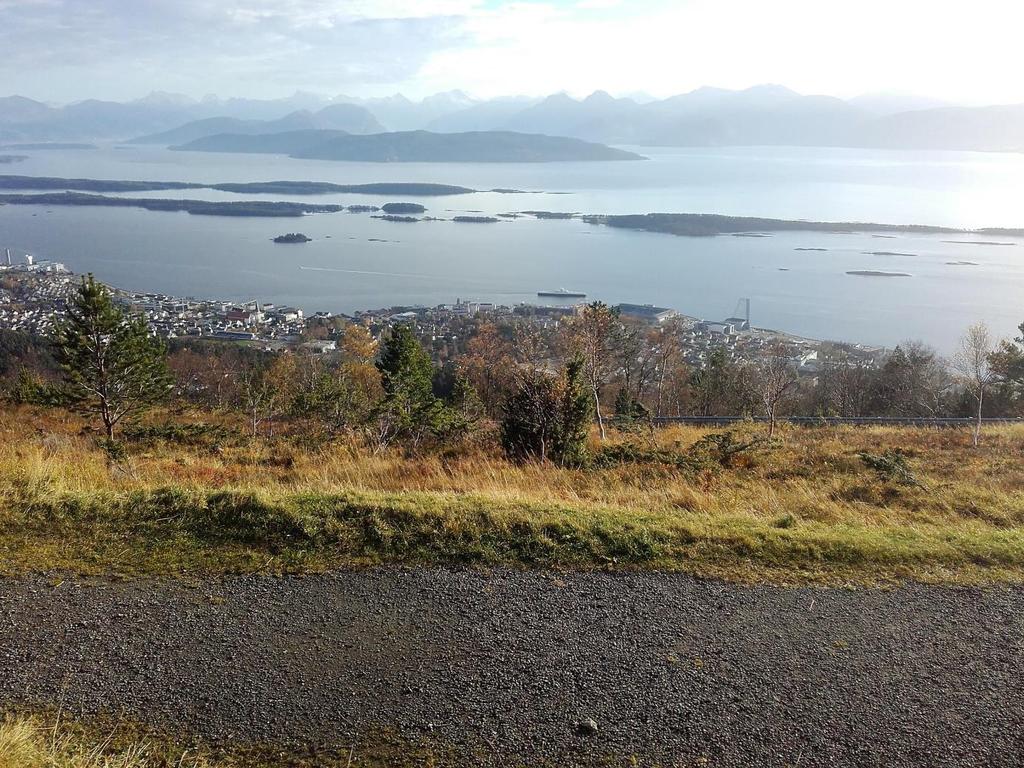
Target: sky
x,y
68,50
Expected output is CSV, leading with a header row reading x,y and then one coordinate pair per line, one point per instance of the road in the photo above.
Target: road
x,y
506,667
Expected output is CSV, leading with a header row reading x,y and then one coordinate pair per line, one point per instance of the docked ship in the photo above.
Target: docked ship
x,y
561,293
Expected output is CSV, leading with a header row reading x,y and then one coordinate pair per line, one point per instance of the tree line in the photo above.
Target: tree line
x,y
535,389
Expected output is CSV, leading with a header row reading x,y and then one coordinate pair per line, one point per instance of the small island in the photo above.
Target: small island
x,y
8,159
877,273
476,219
978,242
293,237
549,214
403,208
401,219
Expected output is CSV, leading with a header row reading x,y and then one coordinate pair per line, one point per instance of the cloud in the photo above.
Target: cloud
x,y
285,43
73,49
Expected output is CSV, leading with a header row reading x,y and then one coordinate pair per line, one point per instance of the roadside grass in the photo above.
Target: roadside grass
x,y
48,740
807,510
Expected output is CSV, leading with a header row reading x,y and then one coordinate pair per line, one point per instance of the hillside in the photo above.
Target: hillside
x,y
341,117
414,146
201,495
283,143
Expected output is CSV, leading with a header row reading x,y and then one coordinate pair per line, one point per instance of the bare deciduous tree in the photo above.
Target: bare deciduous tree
x,y
592,335
776,376
972,365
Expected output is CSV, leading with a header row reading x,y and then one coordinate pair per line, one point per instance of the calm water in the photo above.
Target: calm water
x,y
345,268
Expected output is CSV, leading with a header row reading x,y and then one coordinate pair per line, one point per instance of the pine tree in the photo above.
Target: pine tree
x,y
577,413
112,367
409,407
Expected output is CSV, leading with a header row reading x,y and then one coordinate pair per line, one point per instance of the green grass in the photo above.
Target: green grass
x,y
177,531
205,500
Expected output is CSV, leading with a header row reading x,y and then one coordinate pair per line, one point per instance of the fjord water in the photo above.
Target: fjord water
x,y
357,262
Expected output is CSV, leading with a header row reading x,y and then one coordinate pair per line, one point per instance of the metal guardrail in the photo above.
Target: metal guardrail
x,y
831,421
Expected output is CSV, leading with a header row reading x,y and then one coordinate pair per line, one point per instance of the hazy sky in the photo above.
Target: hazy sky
x,y
65,50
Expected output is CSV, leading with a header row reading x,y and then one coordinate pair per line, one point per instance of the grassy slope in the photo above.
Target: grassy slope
x,y
806,511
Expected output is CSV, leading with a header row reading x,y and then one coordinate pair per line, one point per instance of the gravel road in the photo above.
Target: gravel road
x,y
507,668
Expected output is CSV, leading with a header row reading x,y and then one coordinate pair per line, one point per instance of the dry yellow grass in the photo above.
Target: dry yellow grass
x,y
806,509
47,740
26,742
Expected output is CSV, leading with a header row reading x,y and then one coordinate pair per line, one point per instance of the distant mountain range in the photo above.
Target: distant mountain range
x,y
414,146
766,114
342,117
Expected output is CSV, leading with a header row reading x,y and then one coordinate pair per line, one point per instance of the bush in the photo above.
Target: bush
x,y
891,465
182,434
30,389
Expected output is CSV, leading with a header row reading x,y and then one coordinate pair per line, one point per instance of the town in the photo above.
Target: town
x,y
34,293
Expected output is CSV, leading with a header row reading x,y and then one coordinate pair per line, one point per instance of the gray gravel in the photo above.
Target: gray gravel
x,y
513,668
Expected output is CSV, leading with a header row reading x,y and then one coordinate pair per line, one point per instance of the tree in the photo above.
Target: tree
x,y
548,417
409,406
592,335
845,385
112,366
269,389
721,387
532,420
972,364
669,366
776,376
344,395
912,382
489,363
1007,364
577,413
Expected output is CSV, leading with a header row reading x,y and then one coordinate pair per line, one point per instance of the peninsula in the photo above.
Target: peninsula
x,y
710,224
255,187
413,146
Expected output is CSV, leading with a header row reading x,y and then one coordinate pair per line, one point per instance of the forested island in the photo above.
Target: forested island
x,y
293,237
403,208
413,146
710,224
49,145
476,219
196,207
255,187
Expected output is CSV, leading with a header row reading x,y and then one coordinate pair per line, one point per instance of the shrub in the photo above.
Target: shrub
x,y
890,465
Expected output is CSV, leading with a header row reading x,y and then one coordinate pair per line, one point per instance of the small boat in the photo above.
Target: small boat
x,y
562,293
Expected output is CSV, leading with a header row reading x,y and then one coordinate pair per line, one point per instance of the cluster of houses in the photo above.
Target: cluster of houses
x,y
32,295
173,317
